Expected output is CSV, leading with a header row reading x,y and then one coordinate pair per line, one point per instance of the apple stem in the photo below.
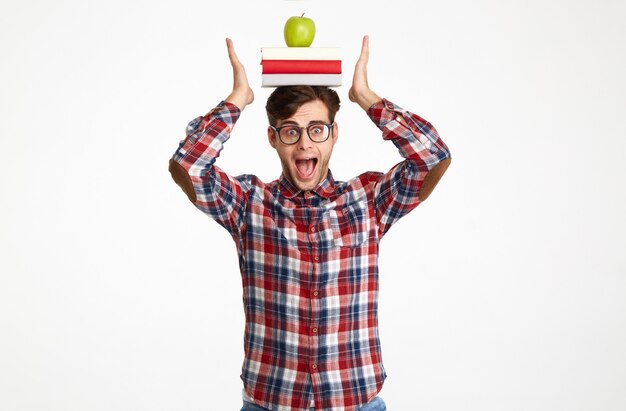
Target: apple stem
x,y
302,15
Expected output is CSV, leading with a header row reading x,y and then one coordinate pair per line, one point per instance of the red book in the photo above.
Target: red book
x,y
301,66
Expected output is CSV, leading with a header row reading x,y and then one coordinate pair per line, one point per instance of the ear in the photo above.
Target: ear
x,y
271,137
335,132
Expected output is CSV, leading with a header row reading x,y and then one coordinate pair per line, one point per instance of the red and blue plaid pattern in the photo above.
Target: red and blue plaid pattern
x,y
308,261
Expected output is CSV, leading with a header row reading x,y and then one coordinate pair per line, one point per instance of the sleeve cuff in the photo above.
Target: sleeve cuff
x,y
226,112
383,112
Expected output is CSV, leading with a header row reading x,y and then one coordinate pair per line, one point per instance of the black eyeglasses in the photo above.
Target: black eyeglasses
x,y
318,133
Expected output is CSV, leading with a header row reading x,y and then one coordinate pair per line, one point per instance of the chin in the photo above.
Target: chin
x,y
307,186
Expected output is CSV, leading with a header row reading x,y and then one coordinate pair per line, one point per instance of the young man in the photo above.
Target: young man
x,y
307,244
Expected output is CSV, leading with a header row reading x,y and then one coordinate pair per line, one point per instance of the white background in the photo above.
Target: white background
x,y
504,291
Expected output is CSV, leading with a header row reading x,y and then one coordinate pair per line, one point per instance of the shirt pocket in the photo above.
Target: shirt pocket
x,y
350,225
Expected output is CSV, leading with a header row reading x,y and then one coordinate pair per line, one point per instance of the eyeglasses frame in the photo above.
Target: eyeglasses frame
x,y
329,125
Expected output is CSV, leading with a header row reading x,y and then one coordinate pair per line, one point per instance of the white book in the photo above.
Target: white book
x,y
301,53
275,80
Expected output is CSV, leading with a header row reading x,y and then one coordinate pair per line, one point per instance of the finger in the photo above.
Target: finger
x,y
365,49
231,51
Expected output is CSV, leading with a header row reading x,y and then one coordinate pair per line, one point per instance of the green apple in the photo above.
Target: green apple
x,y
299,31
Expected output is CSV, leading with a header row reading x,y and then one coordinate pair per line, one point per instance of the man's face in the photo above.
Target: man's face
x,y
305,163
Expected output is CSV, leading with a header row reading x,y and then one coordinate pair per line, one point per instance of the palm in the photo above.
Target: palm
x,y
242,94
360,91
359,80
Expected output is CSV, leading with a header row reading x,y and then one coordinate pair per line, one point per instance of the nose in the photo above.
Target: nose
x,y
305,142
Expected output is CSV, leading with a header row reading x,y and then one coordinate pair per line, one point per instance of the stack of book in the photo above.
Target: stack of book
x,y
291,66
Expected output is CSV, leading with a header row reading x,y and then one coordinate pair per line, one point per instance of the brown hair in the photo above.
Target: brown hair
x,y
286,100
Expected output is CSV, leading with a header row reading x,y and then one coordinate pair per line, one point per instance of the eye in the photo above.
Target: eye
x,y
316,130
291,132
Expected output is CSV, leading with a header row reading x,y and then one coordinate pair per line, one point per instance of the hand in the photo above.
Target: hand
x,y
360,91
242,94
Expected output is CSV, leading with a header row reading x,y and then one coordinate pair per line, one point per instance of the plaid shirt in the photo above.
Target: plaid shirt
x,y
309,260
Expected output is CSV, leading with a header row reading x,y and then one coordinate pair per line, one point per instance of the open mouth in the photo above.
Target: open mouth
x,y
306,167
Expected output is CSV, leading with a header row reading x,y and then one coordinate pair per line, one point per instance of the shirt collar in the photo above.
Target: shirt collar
x,y
324,189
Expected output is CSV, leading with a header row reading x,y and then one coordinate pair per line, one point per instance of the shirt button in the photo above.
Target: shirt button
x,y
316,258
316,293
312,229
314,329
314,366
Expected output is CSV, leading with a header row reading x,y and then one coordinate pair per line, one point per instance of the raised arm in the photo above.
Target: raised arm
x,y
362,94
426,156
192,167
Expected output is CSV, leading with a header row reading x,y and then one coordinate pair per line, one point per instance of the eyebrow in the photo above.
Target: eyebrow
x,y
291,122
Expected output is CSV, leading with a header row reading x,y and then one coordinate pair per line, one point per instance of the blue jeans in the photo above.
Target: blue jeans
x,y
376,404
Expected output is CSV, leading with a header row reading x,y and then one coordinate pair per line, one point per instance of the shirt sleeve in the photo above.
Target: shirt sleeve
x,y
211,190
397,192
